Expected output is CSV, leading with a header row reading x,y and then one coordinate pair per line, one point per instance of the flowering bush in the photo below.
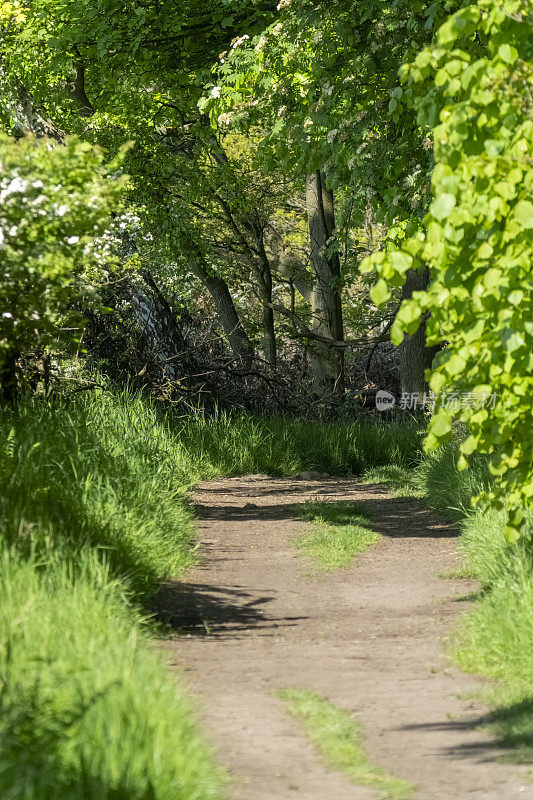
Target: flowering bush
x,y
55,205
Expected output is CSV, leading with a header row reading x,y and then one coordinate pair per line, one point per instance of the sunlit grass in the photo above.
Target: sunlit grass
x,y
86,710
401,481
339,737
337,533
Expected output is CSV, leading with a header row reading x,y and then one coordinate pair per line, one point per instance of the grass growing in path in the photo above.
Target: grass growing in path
x,y
401,482
338,531
339,737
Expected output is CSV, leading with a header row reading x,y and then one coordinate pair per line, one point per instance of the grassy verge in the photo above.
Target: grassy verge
x,y
495,639
339,738
93,516
86,710
337,532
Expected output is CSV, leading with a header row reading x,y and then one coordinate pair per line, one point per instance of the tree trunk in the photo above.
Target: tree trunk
x,y
8,377
415,357
226,311
269,331
327,362
263,273
161,336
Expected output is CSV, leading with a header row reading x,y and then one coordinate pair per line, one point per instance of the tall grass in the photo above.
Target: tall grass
x,y
86,711
98,472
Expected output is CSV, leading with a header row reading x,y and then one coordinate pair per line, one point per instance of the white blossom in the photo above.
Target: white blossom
x,y
215,91
239,40
225,119
16,185
73,239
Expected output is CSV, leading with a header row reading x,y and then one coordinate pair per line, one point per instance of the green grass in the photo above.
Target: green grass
x,y
86,710
100,471
92,518
235,444
401,481
496,638
337,532
338,736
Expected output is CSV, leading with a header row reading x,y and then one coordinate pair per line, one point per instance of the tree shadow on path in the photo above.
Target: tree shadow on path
x,y
205,610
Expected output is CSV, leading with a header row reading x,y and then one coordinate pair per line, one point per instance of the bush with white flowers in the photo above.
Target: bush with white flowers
x,y
55,206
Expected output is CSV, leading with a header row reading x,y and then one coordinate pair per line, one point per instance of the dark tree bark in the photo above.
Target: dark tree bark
x,y
327,362
226,311
415,357
8,377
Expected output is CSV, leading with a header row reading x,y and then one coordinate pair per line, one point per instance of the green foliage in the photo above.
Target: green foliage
x,y
321,82
85,709
55,204
338,531
477,238
496,638
100,471
338,736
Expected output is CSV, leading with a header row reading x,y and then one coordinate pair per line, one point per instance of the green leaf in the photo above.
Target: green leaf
x,y
524,213
512,534
507,53
380,292
441,424
400,261
442,206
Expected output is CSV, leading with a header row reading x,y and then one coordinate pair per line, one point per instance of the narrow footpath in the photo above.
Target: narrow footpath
x,y
368,638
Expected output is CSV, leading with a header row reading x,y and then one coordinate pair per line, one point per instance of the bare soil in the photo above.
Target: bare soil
x,y
253,618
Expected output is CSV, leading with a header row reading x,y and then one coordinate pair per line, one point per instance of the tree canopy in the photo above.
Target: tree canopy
x,y
304,179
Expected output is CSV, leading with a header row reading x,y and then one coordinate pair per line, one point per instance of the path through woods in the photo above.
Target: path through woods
x,y
368,638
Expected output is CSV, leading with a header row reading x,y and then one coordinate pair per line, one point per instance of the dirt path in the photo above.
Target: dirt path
x,y
368,638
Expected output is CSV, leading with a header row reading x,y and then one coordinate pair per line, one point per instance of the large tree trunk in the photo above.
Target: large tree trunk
x,y
415,357
327,362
